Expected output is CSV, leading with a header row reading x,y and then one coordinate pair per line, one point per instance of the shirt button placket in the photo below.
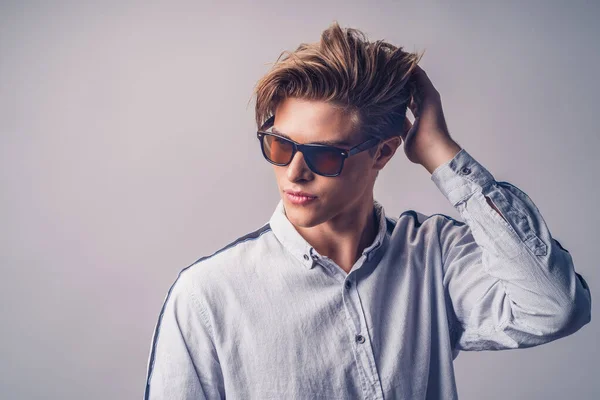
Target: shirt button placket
x,y
365,354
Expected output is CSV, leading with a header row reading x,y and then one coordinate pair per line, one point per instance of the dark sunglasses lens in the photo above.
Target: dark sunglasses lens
x,y
277,150
326,161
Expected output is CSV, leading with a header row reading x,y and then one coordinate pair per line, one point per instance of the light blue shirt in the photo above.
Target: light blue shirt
x,y
268,317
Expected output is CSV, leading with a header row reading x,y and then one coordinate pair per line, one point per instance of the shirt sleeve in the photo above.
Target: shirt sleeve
x,y
510,283
183,362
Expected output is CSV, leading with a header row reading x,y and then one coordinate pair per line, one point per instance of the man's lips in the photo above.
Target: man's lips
x,y
300,193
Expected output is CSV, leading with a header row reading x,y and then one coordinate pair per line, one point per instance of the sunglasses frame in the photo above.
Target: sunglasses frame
x,y
306,148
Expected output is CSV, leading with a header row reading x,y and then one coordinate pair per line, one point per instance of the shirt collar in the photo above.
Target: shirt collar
x,y
287,234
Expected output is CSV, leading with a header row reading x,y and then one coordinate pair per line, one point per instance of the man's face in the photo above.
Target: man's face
x,y
306,121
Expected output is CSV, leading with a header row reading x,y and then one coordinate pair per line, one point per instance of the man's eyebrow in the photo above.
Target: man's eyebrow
x,y
326,142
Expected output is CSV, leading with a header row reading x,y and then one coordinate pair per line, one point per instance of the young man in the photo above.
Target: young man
x,y
332,298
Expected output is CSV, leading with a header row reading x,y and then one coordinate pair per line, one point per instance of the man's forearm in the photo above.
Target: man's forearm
x,y
440,154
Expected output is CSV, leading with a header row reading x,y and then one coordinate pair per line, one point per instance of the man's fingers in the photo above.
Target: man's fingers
x,y
424,86
413,106
407,126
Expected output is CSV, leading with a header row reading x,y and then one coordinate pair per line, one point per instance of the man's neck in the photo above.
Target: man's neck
x,y
344,239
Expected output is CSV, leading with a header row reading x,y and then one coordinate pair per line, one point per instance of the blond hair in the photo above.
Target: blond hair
x,y
368,81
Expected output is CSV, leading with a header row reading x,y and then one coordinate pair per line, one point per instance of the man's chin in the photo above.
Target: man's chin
x,y
303,217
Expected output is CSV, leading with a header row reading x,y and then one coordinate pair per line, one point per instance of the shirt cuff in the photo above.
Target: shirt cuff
x,y
460,177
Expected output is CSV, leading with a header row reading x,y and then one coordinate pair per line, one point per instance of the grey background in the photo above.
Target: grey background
x,y
128,151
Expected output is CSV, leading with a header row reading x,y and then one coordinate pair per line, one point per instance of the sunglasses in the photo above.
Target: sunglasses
x,y
322,159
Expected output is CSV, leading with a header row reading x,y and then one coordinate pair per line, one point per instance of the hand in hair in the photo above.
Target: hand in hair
x,y
427,141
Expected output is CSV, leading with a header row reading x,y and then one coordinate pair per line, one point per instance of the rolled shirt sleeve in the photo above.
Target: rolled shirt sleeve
x,y
183,363
510,283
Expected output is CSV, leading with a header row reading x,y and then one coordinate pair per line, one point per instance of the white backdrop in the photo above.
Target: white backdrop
x,y
128,151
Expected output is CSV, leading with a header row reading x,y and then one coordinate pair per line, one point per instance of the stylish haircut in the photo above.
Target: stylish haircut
x,y
368,81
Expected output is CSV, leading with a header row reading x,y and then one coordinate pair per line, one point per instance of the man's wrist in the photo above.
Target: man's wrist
x,y
440,154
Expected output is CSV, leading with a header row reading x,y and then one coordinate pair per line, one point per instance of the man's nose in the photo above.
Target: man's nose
x,y
298,167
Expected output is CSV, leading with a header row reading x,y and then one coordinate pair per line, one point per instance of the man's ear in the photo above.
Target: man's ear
x,y
390,145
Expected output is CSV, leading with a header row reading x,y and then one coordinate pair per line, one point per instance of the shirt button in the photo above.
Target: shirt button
x,y
306,257
360,338
466,171
348,284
